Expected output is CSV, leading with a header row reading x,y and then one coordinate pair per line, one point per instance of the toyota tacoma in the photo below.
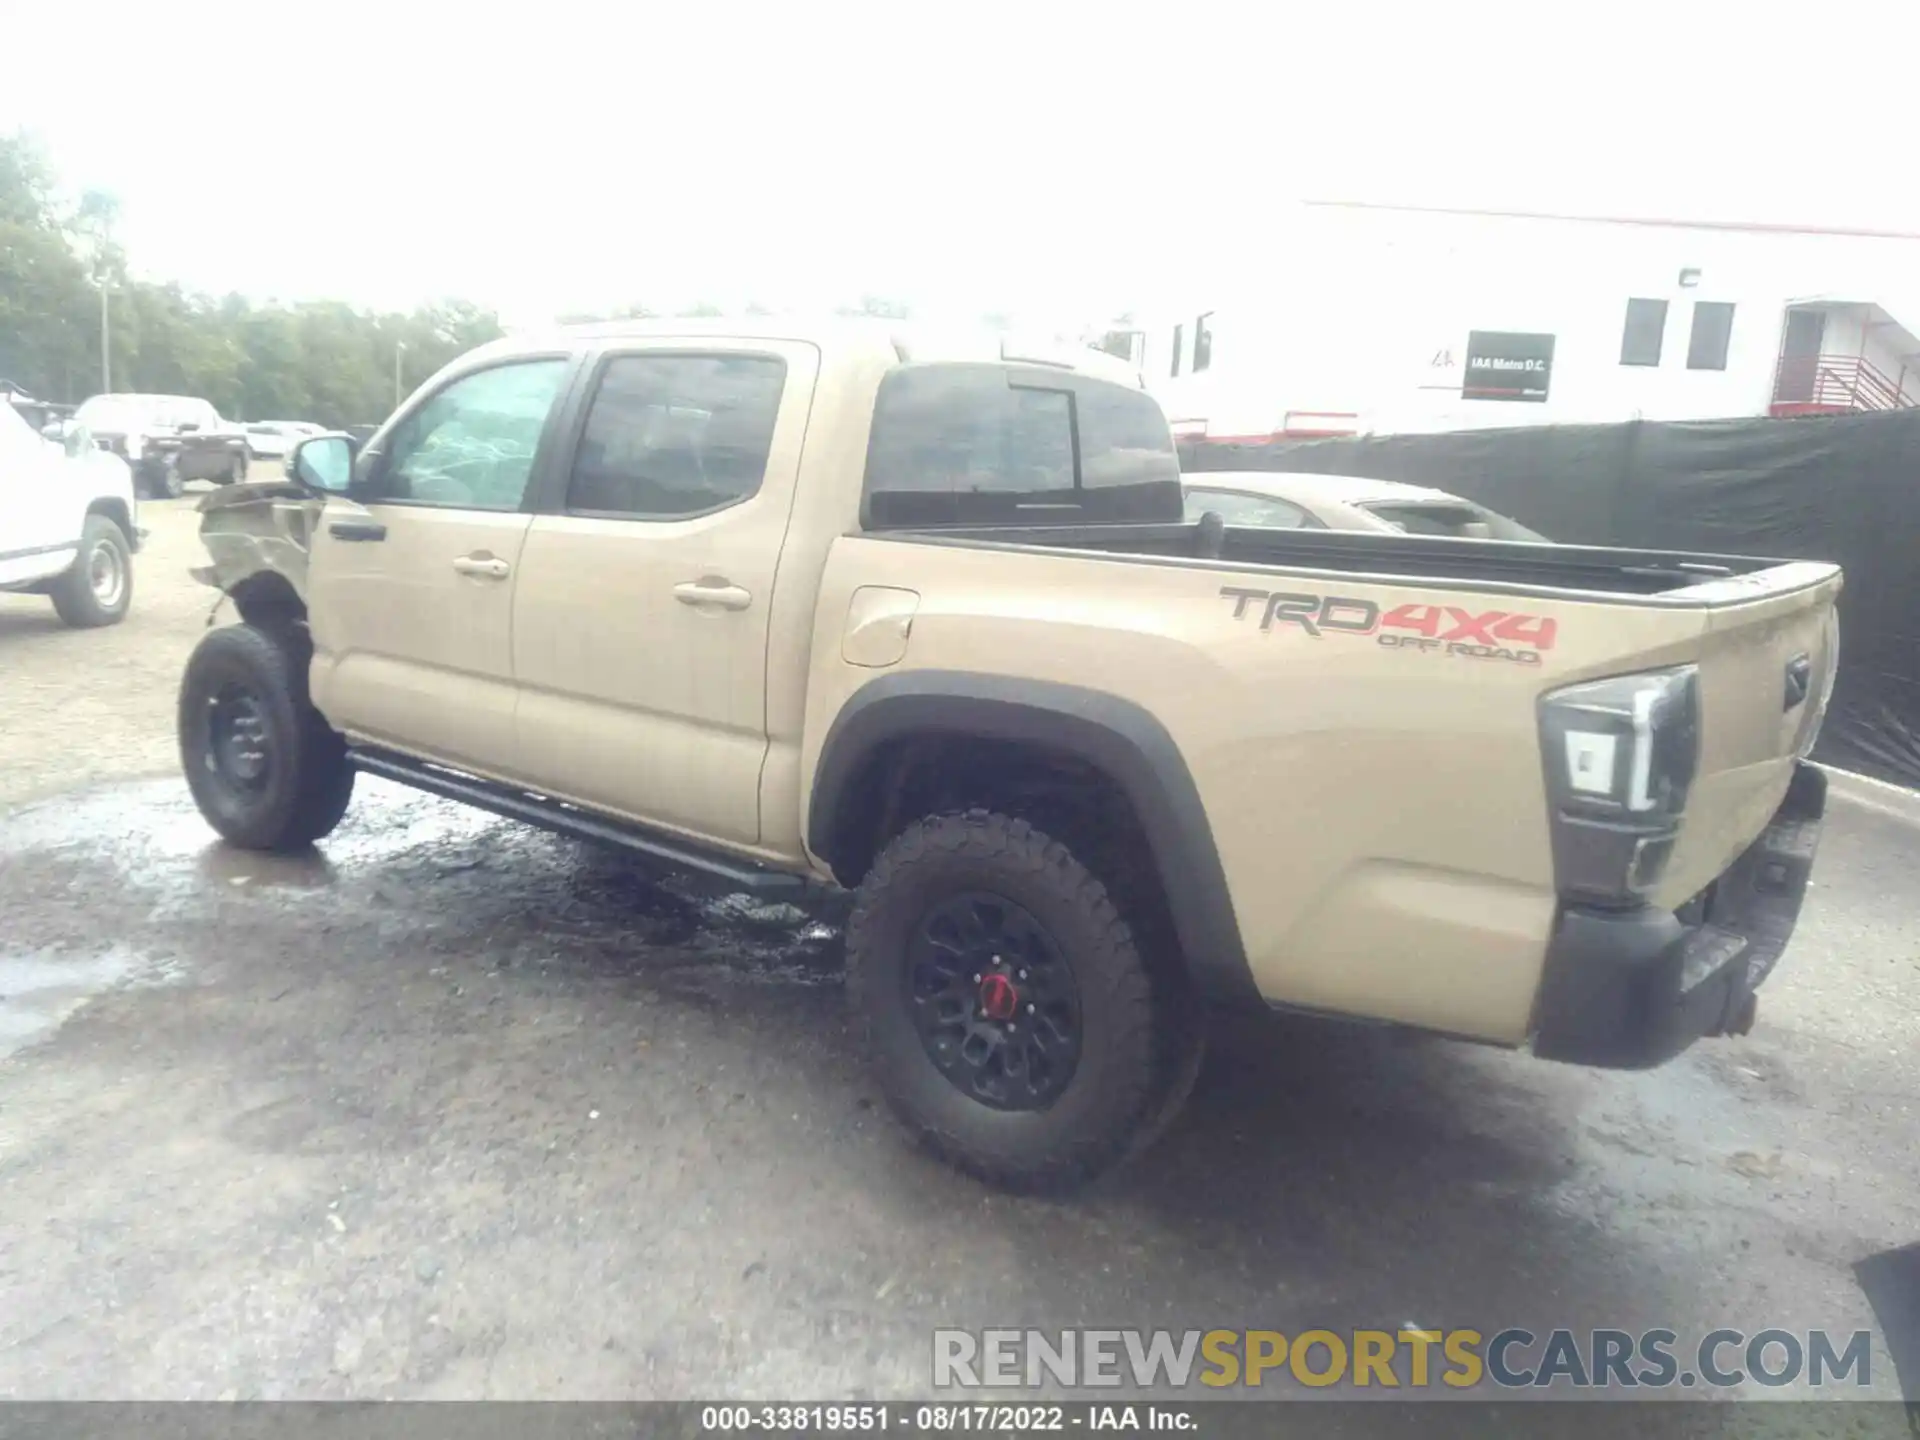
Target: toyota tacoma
x,y
839,605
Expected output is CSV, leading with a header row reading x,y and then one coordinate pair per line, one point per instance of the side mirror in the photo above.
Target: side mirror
x,y
54,430
323,463
76,441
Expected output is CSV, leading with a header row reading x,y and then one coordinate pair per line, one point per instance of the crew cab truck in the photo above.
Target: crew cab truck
x,y
68,523
923,619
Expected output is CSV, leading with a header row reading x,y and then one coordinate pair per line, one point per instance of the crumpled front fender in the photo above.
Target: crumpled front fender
x,y
251,530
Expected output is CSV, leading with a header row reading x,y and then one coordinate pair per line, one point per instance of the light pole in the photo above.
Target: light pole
x,y
399,349
106,343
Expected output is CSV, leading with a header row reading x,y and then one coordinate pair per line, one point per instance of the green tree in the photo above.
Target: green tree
x,y
321,361
876,306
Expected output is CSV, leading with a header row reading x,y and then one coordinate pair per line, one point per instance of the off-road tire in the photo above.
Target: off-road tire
x,y
307,784
1095,1122
75,598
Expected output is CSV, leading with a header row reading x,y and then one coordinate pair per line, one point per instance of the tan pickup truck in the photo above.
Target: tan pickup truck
x,y
923,619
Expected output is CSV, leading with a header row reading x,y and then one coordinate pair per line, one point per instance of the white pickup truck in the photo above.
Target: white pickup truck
x,y
68,522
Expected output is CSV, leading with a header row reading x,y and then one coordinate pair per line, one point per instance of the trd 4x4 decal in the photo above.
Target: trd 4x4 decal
x,y
1449,629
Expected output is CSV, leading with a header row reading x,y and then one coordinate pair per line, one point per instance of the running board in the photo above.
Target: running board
x,y
563,819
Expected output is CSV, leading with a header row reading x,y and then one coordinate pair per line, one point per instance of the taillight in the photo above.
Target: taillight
x,y
1620,756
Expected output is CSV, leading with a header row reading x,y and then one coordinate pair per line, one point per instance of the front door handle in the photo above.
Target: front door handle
x,y
712,591
483,567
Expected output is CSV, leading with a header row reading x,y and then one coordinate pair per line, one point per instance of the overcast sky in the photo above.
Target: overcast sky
x,y
1034,158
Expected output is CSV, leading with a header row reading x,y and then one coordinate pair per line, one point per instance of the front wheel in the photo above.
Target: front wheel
x,y
98,587
1010,1015
160,480
265,768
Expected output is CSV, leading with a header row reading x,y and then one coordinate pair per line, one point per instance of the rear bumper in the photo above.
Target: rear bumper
x,y
1631,989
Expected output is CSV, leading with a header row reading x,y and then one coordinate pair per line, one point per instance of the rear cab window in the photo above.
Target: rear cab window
x,y
985,443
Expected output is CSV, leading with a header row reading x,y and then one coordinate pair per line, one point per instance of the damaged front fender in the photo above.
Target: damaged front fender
x,y
258,536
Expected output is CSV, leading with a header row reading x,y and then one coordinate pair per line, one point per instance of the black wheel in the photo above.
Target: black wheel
x,y
1010,1016
265,768
98,587
160,480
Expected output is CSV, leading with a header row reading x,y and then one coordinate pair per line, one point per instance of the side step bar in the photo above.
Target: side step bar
x,y
565,819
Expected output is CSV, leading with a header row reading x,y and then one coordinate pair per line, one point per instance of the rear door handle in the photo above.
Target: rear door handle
x,y
362,530
482,567
712,591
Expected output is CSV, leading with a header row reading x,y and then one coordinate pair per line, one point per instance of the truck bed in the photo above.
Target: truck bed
x,y
1489,565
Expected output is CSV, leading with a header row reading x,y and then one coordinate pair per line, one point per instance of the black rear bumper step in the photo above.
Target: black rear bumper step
x,y
1631,989
563,819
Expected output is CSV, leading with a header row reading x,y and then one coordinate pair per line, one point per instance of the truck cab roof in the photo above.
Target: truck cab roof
x,y
888,342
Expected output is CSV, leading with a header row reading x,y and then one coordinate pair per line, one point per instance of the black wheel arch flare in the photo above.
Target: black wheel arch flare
x,y
1122,740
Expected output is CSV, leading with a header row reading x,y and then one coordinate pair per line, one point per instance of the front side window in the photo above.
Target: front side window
x,y
1236,508
670,436
971,443
471,445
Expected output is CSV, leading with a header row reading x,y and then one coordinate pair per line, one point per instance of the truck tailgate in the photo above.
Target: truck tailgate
x,y
1766,668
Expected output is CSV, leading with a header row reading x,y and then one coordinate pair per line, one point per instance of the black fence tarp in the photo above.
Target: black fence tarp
x,y
1845,489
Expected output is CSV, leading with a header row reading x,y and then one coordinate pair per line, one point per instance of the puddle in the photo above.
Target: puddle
x,y
40,990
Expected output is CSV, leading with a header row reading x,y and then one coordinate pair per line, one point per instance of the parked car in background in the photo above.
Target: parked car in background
x,y
67,522
167,439
272,439
1287,500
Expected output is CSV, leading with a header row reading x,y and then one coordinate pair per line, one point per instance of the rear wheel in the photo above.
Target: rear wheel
x,y
98,587
1011,1018
265,769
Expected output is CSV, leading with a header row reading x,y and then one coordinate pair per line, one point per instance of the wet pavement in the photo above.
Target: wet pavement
x,y
454,1109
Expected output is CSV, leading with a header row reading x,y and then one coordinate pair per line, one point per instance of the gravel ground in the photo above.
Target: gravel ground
x,y
90,705
454,1109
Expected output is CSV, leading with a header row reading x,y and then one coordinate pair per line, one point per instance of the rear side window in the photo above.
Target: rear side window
x,y
1457,521
985,444
670,436
1238,508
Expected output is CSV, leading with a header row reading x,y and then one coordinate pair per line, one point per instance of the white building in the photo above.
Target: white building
x,y
1357,319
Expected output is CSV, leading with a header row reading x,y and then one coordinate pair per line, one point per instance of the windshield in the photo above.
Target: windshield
x,y
121,412
1456,518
